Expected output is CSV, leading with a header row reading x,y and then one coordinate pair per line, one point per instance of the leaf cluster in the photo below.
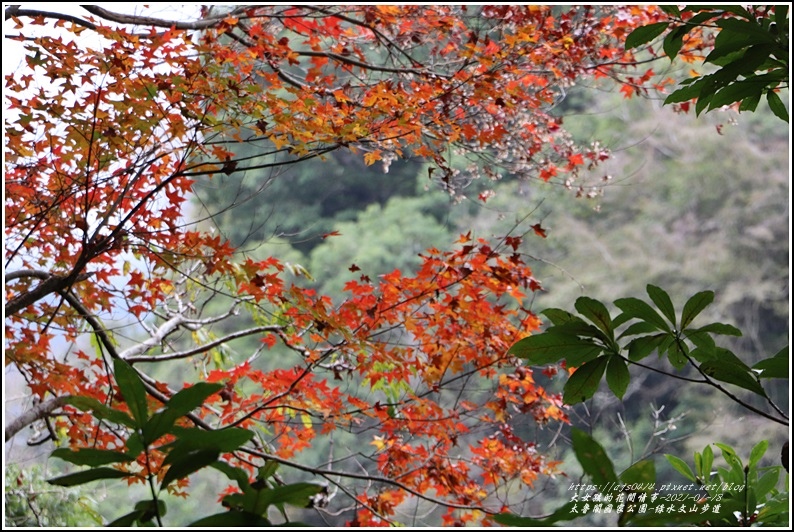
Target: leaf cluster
x,y
748,492
597,344
737,495
186,451
750,51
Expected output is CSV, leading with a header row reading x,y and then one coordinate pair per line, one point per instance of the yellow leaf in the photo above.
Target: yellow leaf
x,y
371,157
379,443
279,141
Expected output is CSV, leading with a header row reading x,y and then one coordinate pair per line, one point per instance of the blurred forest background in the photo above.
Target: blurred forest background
x,y
685,203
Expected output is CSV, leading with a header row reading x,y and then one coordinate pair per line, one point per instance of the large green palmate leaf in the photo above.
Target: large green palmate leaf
x,y
182,403
549,348
584,382
82,477
739,375
181,465
663,302
224,440
92,457
566,512
645,34
776,367
618,376
695,306
593,459
132,390
637,308
595,311
101,411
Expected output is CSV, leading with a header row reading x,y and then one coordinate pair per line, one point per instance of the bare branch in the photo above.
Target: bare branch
x,y
152,342
37,412
361,64
156,339
49,285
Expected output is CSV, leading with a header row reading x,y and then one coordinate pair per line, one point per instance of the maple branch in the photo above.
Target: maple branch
x,y
283,76
15,11
368,477
19,274
366,66
152,390
154,341
144,165
50,284
150,386
37,412
144,201
375,31
306,371
352,497
317,153
97,327
121,18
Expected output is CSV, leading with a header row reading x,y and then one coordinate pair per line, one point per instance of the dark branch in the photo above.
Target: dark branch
x,y
15,11
50,284
37,412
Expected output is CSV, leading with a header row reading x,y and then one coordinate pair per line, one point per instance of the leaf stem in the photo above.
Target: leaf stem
x,y
150,477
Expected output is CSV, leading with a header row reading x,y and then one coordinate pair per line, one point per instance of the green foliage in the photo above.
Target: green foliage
x,y
645,34
692,215
747,491
31,502
584,382
191,450
751,51
594,351
776,367
81,477
564,513
181,404
737,495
